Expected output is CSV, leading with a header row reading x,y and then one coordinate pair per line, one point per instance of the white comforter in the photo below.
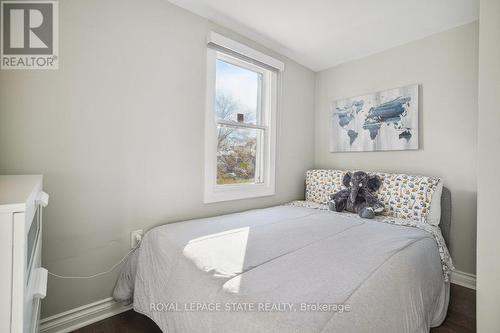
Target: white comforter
x,y
270,270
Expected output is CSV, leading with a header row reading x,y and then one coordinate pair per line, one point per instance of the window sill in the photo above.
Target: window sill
x,y
237,192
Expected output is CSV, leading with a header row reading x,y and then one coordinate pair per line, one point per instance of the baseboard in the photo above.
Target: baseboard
x,y
82,316
464,279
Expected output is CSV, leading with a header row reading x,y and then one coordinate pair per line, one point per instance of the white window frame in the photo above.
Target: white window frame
x,y
229,52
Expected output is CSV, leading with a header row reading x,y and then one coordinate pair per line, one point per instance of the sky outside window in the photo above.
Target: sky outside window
x,y
236,92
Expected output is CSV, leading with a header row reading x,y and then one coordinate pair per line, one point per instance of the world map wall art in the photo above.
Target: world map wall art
x,y
385,120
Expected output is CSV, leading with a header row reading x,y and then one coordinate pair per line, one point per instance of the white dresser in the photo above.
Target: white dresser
x,y
23,282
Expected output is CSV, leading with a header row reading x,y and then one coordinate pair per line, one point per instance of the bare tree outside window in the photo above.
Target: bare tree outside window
x,y
237,99
236,147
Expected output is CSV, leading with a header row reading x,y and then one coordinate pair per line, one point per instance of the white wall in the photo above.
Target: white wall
x,y
488,220
445,65
118,133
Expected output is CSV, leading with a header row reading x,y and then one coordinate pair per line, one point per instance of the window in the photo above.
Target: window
x,y
240,124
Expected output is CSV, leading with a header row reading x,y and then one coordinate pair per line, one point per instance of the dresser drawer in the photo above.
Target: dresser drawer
x,y
36,290
35,318
36,285
23,282
33,248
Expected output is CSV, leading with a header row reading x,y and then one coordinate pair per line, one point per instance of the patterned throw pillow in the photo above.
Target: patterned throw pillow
x,y
321,183
404,196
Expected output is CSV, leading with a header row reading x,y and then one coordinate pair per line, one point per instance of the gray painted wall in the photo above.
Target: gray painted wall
x,y
445,65
118,130
118,133
488,226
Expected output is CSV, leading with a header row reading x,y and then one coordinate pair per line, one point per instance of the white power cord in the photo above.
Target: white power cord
x,y
138,239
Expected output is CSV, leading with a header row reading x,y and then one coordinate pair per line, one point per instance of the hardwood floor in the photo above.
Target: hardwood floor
x,y
126,322
461,318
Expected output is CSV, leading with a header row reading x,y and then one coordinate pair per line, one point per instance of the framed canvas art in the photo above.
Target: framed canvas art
x,y
385,120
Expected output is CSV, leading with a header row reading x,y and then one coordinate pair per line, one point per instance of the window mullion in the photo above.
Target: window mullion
x,y
239,125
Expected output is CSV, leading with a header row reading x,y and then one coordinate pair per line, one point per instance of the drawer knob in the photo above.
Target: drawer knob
x,y
42,199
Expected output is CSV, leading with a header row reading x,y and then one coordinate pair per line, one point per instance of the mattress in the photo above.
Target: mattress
x,y
287,269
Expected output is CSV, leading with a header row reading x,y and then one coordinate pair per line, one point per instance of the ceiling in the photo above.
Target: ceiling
x,y
323,33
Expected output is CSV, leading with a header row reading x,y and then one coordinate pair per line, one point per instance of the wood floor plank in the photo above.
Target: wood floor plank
x,y
461,318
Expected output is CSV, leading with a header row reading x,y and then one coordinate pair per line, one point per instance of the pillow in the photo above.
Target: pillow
x,y
321,183
407,196
434,216
404,196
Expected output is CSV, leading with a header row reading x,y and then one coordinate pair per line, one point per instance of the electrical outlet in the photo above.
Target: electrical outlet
x,y
135,238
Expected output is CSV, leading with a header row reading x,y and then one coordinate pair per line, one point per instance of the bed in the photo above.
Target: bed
x,y
290,268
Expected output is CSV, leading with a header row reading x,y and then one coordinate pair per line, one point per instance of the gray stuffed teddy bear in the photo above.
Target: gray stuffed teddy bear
x,y
359,196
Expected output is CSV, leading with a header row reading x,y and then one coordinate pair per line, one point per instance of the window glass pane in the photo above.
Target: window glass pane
x,y
237,155
237,93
